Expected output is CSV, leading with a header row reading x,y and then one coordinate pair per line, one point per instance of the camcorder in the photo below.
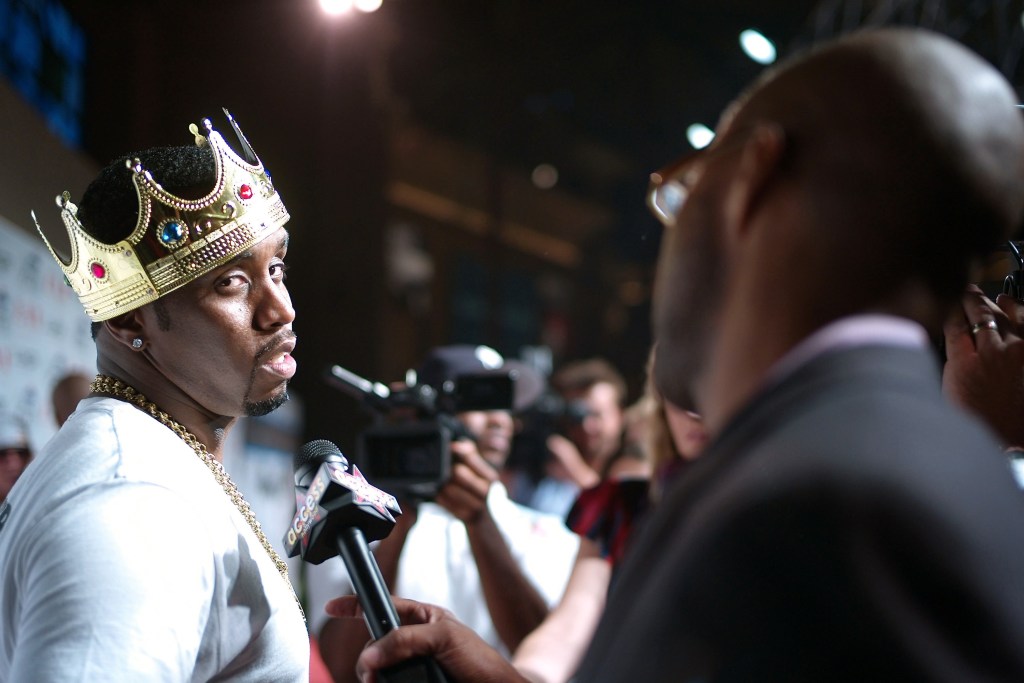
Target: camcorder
x,y
1002,272
1014,280
550,414
407,449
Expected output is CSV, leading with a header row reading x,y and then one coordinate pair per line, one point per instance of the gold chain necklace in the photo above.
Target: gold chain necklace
x,y
118,389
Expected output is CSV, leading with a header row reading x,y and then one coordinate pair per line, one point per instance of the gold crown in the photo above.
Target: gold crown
x,y
175,240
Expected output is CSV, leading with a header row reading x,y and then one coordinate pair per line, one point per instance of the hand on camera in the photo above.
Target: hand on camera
x,y
567,463
465,493
984,370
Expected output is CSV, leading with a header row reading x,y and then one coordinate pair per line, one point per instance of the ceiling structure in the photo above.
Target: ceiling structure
x,y
602,90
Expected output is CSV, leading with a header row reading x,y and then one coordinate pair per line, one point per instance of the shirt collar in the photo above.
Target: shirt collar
x,y
856,330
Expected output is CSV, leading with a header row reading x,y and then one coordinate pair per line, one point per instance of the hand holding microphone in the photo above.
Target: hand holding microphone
x,y
339,512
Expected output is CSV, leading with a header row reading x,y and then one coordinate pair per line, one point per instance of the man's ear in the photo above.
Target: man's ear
x,y
126,327
759,162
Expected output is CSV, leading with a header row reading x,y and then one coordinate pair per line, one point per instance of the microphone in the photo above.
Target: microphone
x,y
306,462
339,512
374,394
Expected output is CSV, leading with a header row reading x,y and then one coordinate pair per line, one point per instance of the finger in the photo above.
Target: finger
x,y
986,334
983,318
469,455
345,607
408,642
416,612
460,500
1014,312
394,648
472,479
409,611
414,638
562,448
957,335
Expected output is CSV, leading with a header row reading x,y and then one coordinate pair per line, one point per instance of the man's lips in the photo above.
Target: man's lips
x,y
279,361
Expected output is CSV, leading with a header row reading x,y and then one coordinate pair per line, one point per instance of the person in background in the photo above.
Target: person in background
x,y
126,551
15,452
845,522
589,437
662,438
67,392
498,565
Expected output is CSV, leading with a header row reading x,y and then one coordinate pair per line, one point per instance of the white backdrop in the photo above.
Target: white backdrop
x,y
43,330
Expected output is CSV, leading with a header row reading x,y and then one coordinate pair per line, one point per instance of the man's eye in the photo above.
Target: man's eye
x,y
279,271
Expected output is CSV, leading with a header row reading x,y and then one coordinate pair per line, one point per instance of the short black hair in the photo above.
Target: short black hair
x,y
109,208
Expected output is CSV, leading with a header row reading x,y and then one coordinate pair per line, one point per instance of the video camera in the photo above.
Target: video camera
x,y
549,414
407,450
1002,271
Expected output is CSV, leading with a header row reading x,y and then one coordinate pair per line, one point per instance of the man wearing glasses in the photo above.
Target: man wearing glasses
x,y
845,522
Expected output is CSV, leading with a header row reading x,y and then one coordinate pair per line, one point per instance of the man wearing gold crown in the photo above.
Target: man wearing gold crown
x,y
126,552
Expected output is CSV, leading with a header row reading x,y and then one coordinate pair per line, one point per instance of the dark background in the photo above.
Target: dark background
x,y
601,90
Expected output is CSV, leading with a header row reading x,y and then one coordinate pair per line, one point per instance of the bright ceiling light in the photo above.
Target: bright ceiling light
x,y
757,47
368,5
699,135
336,7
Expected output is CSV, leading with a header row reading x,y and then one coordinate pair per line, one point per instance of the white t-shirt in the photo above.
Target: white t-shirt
x,y
437,565
122,559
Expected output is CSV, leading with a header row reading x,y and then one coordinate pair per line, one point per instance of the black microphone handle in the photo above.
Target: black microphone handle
x,y
368,582
381,616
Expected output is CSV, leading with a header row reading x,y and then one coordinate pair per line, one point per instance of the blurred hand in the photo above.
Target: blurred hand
x,y
984,370
567,463
428,631
465,493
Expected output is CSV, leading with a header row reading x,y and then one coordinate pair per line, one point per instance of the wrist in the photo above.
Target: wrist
x,y
480,519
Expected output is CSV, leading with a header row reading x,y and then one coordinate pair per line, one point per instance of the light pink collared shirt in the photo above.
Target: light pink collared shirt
x,y
855,330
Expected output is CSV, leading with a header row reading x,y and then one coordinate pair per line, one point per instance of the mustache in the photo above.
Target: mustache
x,y
275,343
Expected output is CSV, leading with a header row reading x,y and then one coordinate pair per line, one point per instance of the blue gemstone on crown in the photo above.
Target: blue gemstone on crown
x,y
172,233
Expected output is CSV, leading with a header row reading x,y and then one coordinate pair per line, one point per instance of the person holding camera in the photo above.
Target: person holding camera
x,y
845,522
498,565
587,444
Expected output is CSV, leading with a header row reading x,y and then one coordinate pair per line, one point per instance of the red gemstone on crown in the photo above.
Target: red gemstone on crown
x,y
97,270
245,192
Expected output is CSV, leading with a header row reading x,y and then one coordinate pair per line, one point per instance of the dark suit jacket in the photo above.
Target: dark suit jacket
x,y
848,525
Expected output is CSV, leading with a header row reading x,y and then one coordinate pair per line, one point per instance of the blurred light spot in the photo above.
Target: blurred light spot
x,y
699,135
368,5
336,7
757,47
545,176
632,293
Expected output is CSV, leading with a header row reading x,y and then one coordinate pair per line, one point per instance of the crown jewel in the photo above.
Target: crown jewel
x,y
175,240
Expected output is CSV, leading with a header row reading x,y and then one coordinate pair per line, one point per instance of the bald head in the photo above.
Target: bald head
x,y
909,149
866,176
